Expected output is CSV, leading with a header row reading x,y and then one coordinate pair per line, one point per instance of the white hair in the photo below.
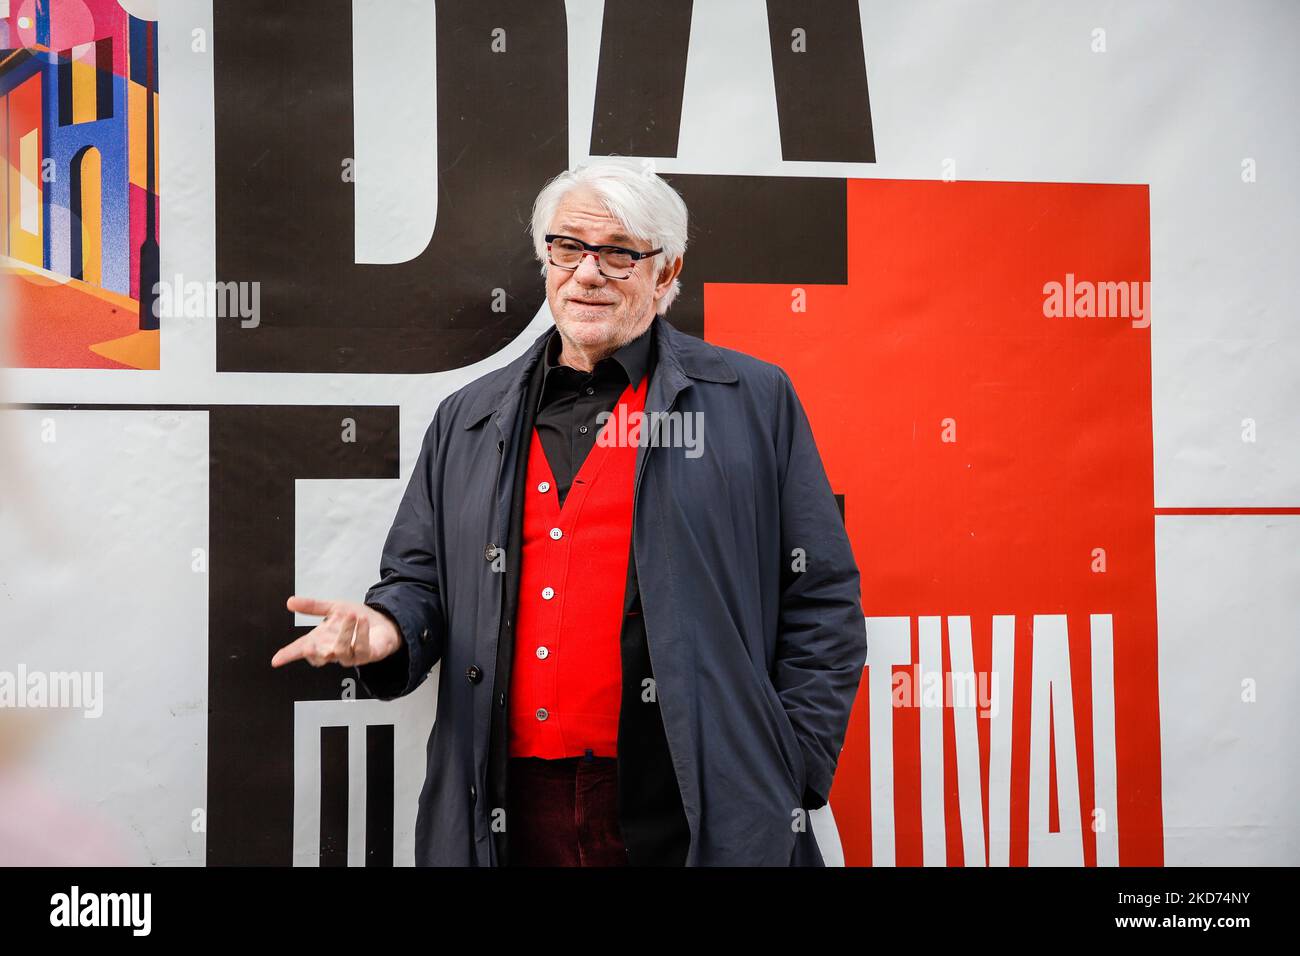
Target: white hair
x,y
646,206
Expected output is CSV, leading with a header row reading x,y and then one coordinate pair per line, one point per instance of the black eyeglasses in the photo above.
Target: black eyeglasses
x,y
567,252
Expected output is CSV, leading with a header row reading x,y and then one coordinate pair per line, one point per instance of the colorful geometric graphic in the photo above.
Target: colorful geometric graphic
x,y
79,198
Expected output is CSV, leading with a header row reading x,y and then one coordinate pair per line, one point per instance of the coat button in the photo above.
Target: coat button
x,y
541,713
543,653
473,793
501,699
548,593
556,534
473,674
582,429
544,487
490,552
424,635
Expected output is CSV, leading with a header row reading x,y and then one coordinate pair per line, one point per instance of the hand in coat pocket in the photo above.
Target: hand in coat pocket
x,y
794,762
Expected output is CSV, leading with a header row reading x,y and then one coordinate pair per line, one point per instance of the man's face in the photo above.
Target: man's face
x,y
591,311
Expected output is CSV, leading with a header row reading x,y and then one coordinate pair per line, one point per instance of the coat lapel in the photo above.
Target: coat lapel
x,y
679,359
503,402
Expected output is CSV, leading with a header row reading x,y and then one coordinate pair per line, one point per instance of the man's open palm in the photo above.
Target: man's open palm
x,y
351,634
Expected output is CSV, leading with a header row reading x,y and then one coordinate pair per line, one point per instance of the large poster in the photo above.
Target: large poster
x,y
1029,267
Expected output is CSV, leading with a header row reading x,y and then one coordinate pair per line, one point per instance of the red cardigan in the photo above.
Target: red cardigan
x,y
566,676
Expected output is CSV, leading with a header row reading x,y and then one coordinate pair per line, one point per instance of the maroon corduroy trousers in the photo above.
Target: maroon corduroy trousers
x,y
563,812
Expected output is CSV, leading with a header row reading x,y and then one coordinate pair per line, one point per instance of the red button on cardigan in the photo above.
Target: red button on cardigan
x,y
566,676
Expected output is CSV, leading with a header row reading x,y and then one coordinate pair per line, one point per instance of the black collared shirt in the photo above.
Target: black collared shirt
x,y
571,401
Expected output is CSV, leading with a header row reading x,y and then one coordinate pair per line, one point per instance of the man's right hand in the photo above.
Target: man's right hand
x,y
351,634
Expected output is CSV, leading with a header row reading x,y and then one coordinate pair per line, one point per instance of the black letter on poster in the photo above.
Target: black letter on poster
x,y
285,217
822,105
257,452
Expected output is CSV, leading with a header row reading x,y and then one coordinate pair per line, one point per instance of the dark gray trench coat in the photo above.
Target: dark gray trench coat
x,y
749,591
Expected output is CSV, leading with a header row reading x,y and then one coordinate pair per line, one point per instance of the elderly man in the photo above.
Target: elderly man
x,y
624,551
